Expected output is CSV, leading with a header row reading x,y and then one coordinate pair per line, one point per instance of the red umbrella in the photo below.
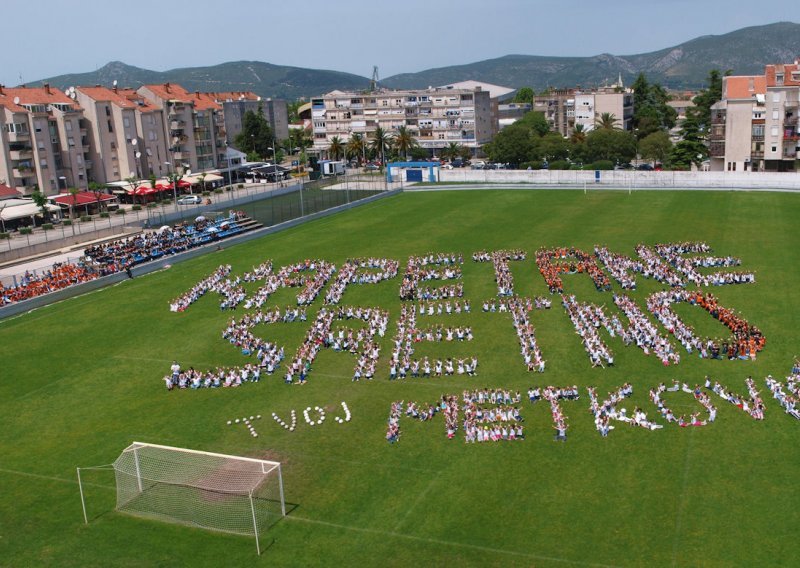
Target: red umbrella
x,y
144,190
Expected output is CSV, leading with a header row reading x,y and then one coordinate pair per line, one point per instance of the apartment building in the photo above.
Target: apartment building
x,y
194,128
436,116
755,125
566,108
236,104
126,134
737,135
43,140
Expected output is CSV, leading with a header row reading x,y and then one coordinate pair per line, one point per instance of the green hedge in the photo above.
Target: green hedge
x,y
137,207
86,218
119,212
47,226
217,191
5,236
67,222
104,214
25,231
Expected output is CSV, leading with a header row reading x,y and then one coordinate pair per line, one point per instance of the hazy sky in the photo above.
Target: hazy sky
x,y
60,36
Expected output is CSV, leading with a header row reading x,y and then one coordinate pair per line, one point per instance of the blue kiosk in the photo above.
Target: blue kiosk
x,y
415,174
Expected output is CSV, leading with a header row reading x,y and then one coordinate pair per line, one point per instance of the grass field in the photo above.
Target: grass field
x,y
82,379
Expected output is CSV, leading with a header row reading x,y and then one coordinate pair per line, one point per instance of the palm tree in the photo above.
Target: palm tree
x,y
578,134
404,141
452,151
40,199
73,191
356,145
379,142
607,121
336,147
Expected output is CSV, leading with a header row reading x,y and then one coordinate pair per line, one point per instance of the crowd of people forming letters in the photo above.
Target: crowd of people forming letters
x,y
665,263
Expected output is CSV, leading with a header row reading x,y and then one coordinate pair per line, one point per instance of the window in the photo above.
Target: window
x,y
37,126
758,130
779,78
43,163
110,128
126,122
774,148
68,125
151,135
774,131
776,97
385,103
70,141
108,111
774,115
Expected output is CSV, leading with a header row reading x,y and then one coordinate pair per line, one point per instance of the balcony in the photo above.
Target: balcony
x,y
21,154
23,173
716,148
180,155
19,136
757,154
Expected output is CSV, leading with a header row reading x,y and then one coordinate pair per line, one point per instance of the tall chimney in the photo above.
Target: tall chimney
x,y
166,87
1,90
47,88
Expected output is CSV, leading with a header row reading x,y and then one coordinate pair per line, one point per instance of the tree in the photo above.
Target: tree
x,y
512,145
73,191
299,138
552,146
578,134
336,147
356,145
701,112
403,141
655,146
202,178
291,109
99,191
379,142
40,199
691,149
607,121
256,136
610,144
132,181
535,120
524,95
451,151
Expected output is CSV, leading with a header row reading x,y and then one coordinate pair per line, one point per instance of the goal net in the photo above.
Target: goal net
x,y
213,491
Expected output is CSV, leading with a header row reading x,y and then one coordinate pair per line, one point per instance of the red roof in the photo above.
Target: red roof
x,y
123,98
744,87
81,198
227,96
172,92
7,192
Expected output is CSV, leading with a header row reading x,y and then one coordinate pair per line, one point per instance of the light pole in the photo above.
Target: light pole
x,y
228,160
274,163
173,178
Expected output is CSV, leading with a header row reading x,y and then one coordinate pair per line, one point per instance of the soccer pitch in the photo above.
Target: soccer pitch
x,y
82,379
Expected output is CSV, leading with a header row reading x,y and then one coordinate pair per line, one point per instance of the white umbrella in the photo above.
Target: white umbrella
x,y
199,218
212,230
164,228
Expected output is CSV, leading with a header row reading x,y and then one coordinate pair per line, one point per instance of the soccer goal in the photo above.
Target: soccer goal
x,y
213,491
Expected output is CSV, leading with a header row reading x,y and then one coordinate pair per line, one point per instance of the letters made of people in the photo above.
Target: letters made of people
x,y
431,284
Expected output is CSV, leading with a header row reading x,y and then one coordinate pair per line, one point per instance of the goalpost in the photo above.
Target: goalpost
x,y
213,491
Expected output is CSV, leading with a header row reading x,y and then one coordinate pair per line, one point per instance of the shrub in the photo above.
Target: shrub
x,y
240,186
104,214
86,218
603,165
206,193
67,222
559,165
217,191
535,165
47,226
119,212
137,207
25,231
5,236
152,205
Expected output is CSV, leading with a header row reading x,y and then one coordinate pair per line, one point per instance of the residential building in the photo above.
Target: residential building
x,y
436,117
43,140
736,138
236,104
510,113
127,134
755,125
193,126
558,107
565,108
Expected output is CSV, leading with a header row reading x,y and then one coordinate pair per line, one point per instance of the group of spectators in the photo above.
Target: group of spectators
x,y
355,271
502,273
526,333
60,275
752,404
432,266
747,339
217,281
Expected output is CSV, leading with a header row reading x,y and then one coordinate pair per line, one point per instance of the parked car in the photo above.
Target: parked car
x,y
644,168
190,200
372,167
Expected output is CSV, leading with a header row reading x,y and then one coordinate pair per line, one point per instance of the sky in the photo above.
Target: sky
x,y
353,35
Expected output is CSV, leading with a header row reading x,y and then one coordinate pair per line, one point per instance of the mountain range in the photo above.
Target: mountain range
x,y
684,66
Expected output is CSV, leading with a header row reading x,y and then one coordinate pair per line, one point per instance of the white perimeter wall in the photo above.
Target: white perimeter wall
x,y
626,179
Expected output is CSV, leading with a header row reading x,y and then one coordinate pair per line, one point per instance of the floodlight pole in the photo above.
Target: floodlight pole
x,y
83,502
255,525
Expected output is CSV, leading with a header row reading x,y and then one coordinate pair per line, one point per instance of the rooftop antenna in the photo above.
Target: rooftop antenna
x,y
373,84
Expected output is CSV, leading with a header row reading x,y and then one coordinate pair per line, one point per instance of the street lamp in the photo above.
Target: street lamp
x,y
274,162
174,179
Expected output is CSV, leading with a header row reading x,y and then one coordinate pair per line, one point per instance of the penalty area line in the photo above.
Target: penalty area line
x,y
52,478
445,542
